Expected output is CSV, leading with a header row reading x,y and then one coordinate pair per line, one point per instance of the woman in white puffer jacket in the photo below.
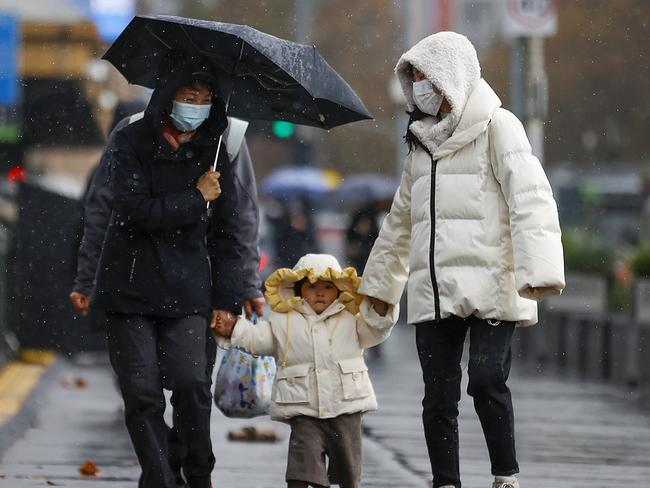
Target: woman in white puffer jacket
x,y
474,228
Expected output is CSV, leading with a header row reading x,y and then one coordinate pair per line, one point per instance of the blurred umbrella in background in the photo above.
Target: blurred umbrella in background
x,y
299,181
362,188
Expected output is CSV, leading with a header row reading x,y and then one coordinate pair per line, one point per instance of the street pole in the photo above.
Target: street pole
x,y
518,49
537,98
304,12
419,20
526,23
529,88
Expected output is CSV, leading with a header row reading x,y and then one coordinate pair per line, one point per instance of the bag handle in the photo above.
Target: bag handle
x,y
287,342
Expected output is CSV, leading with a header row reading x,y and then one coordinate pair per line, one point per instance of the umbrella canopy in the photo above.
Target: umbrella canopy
x,y
291,181
268,78
363,187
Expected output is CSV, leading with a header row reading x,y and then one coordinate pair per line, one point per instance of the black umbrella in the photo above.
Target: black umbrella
x,y
265,77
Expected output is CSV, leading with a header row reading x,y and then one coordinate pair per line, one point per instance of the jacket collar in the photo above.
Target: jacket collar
x,y
479,110
170,133
305,309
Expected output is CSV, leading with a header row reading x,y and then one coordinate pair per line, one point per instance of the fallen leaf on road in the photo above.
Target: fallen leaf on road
x,y
254,433
52,483
80,383
89,469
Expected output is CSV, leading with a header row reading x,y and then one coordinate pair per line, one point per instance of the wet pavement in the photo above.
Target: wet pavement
x,y
569,434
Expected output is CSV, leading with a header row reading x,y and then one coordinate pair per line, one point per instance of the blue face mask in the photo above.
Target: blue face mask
x,y
188,116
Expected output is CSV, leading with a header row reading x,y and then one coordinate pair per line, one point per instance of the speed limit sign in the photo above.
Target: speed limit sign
x,y
529,18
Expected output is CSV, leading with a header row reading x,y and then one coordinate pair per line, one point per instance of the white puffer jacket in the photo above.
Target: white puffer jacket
x,y
493,246
321,371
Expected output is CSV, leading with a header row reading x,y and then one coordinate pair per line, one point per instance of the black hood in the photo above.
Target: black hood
x,y
177,69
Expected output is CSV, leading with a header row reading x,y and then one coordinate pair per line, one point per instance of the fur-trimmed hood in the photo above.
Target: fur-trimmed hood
x,y
449,61
280,285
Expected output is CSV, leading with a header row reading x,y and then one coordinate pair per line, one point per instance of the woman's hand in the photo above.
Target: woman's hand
x,y
537,293
208,185
380,306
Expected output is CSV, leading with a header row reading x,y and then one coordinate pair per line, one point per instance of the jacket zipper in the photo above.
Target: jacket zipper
x,y
432,210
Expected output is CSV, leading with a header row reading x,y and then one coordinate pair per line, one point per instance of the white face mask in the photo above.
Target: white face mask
x,y
189,116
425,98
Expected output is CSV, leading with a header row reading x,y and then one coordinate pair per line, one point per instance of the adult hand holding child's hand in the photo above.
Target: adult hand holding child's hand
x,y
223,322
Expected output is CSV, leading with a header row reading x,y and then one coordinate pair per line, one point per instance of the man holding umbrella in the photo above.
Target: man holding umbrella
x,y
154,276
97,211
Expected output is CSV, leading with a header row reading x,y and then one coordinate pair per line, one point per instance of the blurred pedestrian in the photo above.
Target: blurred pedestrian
x,y
317,332
293,228
361,235
474,228
160,256
359,239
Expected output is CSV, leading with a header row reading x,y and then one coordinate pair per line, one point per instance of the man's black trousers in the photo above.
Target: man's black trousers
x,y
149,354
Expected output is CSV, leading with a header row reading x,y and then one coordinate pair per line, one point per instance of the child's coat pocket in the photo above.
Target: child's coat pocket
x,y
292,384
354,378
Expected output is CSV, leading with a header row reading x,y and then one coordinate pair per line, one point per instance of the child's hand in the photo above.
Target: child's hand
x,y
254,306
380,306
223,323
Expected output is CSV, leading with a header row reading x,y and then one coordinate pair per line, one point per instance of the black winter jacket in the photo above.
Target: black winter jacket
x,y
159,243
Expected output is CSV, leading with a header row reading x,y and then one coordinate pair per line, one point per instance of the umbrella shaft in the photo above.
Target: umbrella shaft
x,y
214,168
232,86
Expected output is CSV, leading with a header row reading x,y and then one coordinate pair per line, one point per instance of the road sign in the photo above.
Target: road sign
x,y
8,60
529,18
9,79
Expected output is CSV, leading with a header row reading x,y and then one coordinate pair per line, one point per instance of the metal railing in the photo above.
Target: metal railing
x,y
603,347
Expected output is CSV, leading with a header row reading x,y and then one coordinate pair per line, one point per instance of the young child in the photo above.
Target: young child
x,y
317,331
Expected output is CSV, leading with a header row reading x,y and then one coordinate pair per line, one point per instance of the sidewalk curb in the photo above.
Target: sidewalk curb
x,y
15,427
